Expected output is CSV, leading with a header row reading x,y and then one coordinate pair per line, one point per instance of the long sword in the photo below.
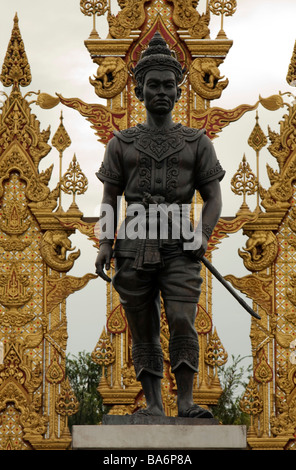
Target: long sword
x,y
226,284
148,198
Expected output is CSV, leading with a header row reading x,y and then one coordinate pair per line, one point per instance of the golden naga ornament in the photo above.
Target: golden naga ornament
x,y
111,77
205,78
186,16
131,17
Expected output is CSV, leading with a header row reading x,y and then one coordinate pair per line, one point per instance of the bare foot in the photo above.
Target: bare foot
x,y
195,411
150,411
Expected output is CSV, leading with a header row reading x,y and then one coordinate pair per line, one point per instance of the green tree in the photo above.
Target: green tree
x,y
84,376
233,378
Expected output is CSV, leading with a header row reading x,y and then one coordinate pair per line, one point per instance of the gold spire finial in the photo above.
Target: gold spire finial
x,y
244,183
61,141
291,75
257,140
94,8
222,8
74,182
16,69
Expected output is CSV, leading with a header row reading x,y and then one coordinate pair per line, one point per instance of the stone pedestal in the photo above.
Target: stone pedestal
x,y
121,433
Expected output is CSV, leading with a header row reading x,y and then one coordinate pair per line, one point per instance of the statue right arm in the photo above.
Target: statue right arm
x,y
110,198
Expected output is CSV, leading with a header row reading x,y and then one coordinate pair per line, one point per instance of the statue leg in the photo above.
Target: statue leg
x,y
144,324
140,300
184,353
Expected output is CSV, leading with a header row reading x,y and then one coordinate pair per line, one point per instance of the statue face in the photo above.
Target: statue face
x,y
160,91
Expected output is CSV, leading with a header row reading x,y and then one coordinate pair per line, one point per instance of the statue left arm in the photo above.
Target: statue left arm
x,y
212,206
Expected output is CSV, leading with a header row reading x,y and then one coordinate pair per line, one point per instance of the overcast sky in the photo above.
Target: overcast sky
x,y
263,34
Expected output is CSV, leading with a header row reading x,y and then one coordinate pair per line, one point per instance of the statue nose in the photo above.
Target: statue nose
x,y
161,90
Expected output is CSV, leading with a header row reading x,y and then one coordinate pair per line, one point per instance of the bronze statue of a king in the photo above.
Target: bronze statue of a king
x,y
158,166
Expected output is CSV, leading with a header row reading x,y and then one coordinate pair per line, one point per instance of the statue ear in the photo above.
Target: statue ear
x,y
179,92
139,93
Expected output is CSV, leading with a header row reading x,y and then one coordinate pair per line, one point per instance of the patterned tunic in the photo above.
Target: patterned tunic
x,y
170,166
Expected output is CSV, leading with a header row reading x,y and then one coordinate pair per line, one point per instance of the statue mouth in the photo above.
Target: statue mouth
x,y
162,101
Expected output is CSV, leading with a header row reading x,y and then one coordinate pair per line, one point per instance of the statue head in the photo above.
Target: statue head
x,y
157,56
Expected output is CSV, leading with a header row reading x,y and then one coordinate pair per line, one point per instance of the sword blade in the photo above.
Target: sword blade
x,y
226,284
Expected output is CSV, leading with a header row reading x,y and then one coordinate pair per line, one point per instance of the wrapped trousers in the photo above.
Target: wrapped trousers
x,y
178,282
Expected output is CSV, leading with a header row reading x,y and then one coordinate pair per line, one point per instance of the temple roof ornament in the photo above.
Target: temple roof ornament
x,y
291,75
185,16
16,69
244,183
222,8
94,8
61,141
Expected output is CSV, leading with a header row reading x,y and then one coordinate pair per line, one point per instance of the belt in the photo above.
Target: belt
x,y
148,252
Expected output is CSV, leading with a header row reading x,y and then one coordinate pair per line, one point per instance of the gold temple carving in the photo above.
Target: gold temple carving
x,y
269,256
36,253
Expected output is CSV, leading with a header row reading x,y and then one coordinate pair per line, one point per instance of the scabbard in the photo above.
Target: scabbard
x,y
226,284
148,199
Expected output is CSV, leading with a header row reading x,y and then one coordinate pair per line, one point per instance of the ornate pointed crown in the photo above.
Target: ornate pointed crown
x,y
157,56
